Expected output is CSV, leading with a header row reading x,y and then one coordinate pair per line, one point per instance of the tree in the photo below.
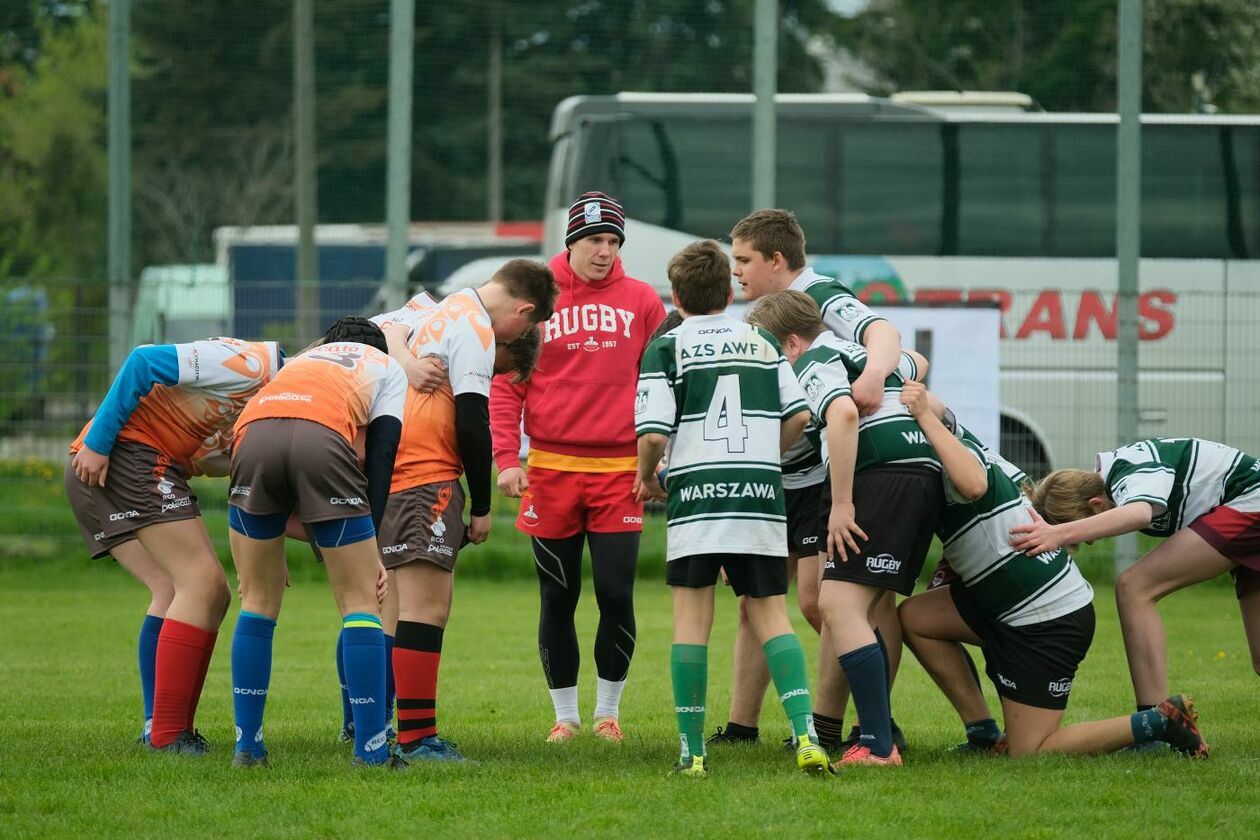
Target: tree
x,y
1064,53
52,156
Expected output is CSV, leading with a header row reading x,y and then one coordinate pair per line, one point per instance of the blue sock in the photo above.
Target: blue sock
x,y
389,680
363,653
149,632
1147,725
251,677
347,717
868,684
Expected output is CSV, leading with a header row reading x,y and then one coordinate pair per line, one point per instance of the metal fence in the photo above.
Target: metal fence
x,y
1197,374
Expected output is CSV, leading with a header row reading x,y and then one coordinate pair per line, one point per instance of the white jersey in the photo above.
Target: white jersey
x,y
457,331
720,389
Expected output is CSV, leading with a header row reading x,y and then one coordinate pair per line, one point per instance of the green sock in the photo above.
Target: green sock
x,y
689,667
1147,725
787,667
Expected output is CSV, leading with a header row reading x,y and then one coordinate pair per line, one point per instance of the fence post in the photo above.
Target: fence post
x,y
305,175
119,224
765,83
402,35
1128,236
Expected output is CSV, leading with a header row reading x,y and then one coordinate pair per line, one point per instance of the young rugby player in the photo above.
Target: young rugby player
x,y
720,394
1033,615
883,477
294,450
1204,497
768,249
167,415
445,434
578,413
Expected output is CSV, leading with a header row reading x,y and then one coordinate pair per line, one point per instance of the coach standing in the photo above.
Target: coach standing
x,y
579,416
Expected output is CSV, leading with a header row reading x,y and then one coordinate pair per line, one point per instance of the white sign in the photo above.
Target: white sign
x,y
961,345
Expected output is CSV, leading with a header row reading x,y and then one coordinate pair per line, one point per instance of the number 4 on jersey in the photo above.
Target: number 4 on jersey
x,y
725,418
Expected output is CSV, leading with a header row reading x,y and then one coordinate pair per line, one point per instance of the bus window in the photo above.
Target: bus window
x,y
1244,157
890,188
1002,207
1083,191
1183,192
808,179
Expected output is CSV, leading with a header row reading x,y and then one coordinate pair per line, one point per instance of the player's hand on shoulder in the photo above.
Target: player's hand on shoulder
x,y
843,531
91,467
915,397
512,482
426,373
868,392
479,529
1036,537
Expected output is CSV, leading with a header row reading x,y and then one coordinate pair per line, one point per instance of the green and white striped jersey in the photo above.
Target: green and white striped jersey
x,y
842,312
1011,586
720,388
802,463
1182,478
890,435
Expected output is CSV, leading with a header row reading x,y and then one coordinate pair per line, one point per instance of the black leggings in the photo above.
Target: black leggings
x,y
614,558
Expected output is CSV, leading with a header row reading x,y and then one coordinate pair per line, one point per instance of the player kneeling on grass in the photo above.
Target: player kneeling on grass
x,y
883,476
721,395
1203,496
1032,615
167,415
294,451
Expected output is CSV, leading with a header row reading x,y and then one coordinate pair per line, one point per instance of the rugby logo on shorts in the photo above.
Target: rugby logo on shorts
x,y
883,564
1009,683
530,515
165,487
1059,688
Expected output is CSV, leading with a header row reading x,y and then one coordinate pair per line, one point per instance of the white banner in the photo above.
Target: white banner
x,y
961,344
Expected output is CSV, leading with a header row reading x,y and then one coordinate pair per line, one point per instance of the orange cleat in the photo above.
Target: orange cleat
x,y
859,754
564,730
608,729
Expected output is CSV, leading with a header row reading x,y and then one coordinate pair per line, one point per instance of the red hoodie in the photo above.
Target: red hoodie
x,y
579,403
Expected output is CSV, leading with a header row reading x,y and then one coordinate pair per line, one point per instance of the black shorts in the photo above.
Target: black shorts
x,y
802,520
1033,664
898,508
749,574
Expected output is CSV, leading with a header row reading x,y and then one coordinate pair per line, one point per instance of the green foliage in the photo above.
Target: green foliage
x,y
52,155
72,711
1064,53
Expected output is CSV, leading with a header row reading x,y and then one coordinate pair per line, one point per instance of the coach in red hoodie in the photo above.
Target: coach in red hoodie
x,y
579,416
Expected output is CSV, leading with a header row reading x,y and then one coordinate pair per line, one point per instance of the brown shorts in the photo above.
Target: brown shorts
x,y
281,464
423,523
141,488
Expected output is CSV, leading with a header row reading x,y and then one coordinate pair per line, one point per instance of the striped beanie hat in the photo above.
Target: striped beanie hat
x,y
592,213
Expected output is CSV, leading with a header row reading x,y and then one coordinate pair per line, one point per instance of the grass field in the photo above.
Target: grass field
x,y
69,711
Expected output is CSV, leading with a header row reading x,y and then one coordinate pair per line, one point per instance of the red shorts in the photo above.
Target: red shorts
x,y
1234,533
560,504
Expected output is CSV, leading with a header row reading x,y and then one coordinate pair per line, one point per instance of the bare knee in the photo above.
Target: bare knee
x,y
1131,587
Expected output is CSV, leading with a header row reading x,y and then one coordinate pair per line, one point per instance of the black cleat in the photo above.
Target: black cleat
x,y
1182,730
722,737
185,743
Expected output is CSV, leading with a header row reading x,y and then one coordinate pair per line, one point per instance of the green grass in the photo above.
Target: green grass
x,y
69,710
36,525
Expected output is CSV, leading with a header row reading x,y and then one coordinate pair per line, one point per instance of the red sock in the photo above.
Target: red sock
x,y
417,653
201,680
180,651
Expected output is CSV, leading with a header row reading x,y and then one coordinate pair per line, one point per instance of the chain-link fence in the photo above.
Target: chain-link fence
x,y
958,198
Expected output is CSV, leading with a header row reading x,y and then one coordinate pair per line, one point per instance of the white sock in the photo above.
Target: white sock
x,y
608,698
566,702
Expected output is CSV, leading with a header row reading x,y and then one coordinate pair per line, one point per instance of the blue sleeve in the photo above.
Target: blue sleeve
x,y
152,364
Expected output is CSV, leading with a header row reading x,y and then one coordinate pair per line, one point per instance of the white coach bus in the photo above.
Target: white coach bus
x,y
934,203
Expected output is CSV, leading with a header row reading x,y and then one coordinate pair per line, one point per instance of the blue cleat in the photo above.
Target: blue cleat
x,y
432,748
